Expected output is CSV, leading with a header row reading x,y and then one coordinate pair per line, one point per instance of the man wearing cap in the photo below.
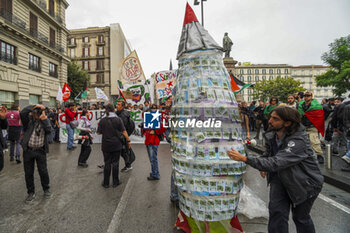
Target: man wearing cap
x,y
313,119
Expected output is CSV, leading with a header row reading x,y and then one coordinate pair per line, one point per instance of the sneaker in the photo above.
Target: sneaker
x,y
126,169
47,193
320,159
18,161
30,197
346,158
152,178
12,159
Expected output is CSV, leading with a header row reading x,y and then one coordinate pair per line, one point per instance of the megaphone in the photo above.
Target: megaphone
x,y
251,142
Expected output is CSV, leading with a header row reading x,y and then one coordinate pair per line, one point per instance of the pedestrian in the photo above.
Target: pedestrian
x,y
112,128
146,105
124,115
300,96
251,116
313,120
57,125
291,102
14,132
244,114
152,142
259,117
86,140
37,129
70,113
3,125
339,131
52,118
292,171
273,103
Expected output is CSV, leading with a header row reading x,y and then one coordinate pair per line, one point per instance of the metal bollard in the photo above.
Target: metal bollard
x,y
329,156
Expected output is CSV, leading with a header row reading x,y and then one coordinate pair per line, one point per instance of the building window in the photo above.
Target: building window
x,y
52,102
264,77
72,41
33,25
271,71
278,71
52,38
257,78
72,53
34,62
100,78
99,64
271,77
249,71
100,51
241,71
286,71
242,78
86,65
264,71
86,52
249,78
7,98
256,71
86,39
8,53
52,8
33,99
53,70
100,39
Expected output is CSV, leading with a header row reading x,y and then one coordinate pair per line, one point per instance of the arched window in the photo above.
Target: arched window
x,y
257,78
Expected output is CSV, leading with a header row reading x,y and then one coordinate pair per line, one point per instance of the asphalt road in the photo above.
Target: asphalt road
x,y
80,204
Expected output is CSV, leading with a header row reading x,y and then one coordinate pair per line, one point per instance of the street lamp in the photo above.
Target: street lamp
x,y
196,3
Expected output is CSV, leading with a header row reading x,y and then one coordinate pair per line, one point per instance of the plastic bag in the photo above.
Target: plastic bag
x,y
251,205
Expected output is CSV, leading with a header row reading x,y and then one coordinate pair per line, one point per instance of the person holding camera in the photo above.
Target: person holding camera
x,y
70,113
112,129
35,143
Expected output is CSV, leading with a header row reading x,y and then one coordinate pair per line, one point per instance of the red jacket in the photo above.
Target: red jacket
x,y
152,139
69,115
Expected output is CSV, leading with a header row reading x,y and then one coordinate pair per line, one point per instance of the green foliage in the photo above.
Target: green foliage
x,y
338,57
280,88
76,79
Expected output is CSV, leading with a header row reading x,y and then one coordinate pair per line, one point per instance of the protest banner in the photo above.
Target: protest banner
x,y
164,89
165,75
130,69
139,92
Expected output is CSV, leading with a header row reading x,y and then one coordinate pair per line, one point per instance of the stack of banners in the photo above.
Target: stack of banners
x,y
208,181
139,92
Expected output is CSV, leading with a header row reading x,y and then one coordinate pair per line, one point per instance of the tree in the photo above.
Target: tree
x,y
76,79
280,88
338,57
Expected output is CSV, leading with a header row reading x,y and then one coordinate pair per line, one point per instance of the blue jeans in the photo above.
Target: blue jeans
x,y
348,150
70,139
14,144
152,151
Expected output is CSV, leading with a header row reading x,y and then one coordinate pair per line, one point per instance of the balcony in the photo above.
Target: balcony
x,y
42,4
100,43
72,45
34,67
12,19
8,59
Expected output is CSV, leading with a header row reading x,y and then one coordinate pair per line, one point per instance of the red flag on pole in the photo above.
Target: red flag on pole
x,y
66,92
121,94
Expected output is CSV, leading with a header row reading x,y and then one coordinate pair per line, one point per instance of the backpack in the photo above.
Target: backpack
x,y
346,115
130,128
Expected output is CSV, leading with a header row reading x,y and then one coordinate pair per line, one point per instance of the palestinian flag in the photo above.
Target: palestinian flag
x,y
82,94
120,97
315,114
237,85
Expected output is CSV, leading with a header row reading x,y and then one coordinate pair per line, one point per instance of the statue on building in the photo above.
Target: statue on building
x,y
227,44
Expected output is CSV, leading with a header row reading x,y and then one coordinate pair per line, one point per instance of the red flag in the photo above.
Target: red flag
x,y
190,16
66,92
234,85
317,119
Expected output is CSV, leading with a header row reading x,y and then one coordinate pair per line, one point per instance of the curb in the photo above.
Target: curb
x,y
329,176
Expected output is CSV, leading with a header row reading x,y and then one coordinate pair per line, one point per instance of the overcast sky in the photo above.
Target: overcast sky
x,y
294,32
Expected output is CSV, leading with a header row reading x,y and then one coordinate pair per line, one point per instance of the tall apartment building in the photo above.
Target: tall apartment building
x,y
252,73
33,59
307,74
99,51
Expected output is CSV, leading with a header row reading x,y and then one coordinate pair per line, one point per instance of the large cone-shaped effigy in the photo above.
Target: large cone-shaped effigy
x,y
209,182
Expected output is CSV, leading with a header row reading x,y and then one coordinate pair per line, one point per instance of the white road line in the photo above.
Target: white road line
x,y
334,203
115,222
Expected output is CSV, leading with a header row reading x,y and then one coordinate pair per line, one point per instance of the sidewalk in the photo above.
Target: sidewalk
x,y
335,177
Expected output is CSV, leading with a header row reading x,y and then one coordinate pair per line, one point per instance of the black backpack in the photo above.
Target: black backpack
x,y
130,127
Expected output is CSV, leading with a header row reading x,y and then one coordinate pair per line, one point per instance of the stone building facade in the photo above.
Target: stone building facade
x,y
99,51
33,59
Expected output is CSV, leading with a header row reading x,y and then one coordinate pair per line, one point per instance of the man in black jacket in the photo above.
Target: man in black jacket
x,y
124,115
292,171
37,129
3,125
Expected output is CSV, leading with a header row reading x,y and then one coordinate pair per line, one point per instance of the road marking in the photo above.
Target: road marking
x,y
115,222
334,203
